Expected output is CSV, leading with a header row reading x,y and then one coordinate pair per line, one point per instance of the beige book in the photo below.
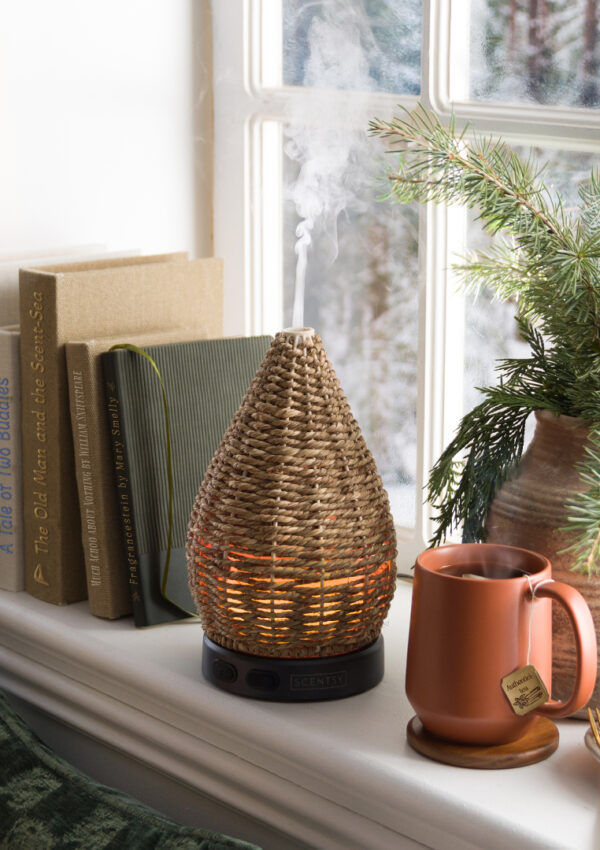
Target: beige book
x,y
107,569
77,301
11,263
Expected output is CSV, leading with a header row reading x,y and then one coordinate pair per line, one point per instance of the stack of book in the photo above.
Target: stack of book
x,y
92,466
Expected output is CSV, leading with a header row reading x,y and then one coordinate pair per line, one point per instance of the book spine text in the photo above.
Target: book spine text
x,y
85,477
113,408
12,572
36,376
106,573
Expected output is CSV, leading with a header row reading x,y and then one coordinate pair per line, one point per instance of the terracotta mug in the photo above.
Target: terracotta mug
x,y
467,634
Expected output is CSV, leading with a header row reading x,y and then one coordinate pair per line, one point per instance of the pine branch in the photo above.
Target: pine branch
x,y
435,163
584,512
490,438
500,269
590,204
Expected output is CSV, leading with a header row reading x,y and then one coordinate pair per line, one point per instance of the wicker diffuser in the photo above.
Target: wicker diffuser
x,y
291,544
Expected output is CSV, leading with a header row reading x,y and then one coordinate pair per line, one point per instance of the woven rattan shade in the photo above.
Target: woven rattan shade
x,y
291,545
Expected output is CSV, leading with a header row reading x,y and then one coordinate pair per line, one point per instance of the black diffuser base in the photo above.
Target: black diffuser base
x,y
293,679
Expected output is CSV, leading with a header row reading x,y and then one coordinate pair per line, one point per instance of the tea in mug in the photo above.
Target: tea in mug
x,y
481,571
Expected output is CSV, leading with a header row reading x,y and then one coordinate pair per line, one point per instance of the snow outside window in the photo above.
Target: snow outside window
x,y
298,216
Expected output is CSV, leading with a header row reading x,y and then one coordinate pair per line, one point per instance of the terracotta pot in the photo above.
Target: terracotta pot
x,y
467,634
529,510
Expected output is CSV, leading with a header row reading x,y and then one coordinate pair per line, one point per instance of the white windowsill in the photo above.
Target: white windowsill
x,y
332,774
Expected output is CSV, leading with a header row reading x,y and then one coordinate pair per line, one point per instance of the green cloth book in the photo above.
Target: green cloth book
x,y
205,382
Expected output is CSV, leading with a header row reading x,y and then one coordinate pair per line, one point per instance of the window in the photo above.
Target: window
x,y
297,181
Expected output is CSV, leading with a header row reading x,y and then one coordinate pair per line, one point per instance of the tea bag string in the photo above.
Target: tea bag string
x,y
533,589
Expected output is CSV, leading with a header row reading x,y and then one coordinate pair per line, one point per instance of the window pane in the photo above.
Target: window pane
x,y
490,334
364,45
360,261
491,330
535,51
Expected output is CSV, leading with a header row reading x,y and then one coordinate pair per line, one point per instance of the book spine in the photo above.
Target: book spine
x,y
54,566
106,573
121,472
37,303
12,565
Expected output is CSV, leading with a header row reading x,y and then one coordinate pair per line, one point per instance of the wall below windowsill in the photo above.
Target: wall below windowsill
x,y
130,707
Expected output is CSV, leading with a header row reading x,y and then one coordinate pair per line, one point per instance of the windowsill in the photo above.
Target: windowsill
x,y
333,774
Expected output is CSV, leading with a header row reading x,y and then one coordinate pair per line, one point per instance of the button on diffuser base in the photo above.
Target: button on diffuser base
x,y
293,679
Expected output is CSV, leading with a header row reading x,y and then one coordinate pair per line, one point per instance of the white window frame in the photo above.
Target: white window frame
x,y
250,108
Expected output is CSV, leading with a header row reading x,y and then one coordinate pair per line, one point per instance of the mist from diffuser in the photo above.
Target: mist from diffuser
x,y
332,157
291,544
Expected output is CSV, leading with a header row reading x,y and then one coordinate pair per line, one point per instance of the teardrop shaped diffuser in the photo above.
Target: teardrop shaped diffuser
x,y
291,544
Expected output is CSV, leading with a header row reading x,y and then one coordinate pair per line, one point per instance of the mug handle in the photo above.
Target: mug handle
x,y
585,645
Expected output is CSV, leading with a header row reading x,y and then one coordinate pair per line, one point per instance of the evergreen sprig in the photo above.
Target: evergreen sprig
x,y
549,265
584,510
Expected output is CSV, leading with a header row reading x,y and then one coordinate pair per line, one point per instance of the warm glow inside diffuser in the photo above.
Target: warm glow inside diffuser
x,y
272,610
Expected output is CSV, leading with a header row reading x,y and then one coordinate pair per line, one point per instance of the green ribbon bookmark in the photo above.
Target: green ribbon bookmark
x,y
163,588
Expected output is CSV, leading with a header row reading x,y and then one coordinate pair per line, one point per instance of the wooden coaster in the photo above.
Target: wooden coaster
x,y
536,745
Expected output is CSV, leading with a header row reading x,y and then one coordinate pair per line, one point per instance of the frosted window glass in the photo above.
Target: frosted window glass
x,y
364,45
536,51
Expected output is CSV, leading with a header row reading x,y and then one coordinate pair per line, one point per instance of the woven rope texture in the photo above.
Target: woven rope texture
x,y
291,544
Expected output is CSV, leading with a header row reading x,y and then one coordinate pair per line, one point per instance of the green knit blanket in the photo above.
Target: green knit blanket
x,y
46,804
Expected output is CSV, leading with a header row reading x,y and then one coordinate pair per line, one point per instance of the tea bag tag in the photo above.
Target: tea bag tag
x,y
524,687
525,690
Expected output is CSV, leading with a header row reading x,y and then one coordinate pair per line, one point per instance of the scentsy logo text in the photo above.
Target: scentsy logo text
x,y
310,681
